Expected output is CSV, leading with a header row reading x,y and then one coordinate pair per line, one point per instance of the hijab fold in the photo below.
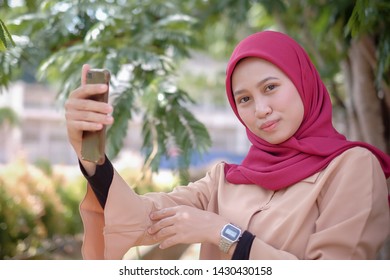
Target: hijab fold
x,y
315,144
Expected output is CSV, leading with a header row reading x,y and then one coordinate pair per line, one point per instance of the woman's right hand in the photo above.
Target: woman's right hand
x,y
81,114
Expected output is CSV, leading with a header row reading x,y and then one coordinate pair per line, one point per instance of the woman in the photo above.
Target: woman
x,y
302,192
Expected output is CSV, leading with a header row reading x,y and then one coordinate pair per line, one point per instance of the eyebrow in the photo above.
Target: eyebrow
x,y
263,81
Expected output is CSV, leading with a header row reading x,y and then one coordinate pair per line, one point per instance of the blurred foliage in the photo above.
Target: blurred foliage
x,y
144,182
8,116
140,42
205,89
40,206
35,209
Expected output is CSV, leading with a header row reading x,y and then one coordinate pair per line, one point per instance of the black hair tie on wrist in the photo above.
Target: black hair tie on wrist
x,y
244,246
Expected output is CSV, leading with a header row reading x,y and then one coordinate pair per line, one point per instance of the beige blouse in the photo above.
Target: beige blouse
x,y
341,212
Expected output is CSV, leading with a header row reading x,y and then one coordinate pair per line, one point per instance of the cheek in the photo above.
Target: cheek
x,y
296,111
245,116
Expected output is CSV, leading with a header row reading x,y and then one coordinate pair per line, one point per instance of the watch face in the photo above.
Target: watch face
x,y
231,232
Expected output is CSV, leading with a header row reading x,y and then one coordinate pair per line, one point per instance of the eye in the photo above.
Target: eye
x,y
270,87
243,99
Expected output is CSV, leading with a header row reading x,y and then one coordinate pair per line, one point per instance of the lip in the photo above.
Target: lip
x,y
269,125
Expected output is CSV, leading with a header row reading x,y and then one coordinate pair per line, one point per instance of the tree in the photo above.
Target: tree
x,y
141,43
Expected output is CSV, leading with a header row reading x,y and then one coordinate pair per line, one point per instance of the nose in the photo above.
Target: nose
x,y
263,109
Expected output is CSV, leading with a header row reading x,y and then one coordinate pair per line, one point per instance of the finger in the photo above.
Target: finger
x,y
163,213
84,71
161,224
89,116
86,91
75,104
164,233
85,126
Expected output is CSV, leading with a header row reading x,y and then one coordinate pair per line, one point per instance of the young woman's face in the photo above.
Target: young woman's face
x,y
266,99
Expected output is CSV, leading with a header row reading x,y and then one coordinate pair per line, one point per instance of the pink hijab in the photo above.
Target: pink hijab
x,y
315,143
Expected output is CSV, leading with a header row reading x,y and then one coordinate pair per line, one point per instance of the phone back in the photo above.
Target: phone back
x,y
93,142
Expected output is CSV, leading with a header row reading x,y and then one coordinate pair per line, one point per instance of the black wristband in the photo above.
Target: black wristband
x,y
101,181
244,246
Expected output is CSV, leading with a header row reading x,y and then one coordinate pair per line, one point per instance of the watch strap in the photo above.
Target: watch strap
x,y
224,245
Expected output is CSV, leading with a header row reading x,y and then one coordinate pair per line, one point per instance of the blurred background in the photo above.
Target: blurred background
x,y
172,120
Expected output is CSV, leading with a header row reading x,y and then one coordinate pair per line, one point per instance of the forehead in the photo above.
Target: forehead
x,y
255,62
253,67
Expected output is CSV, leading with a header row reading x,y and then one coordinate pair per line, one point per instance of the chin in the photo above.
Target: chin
x,y
271,139
274,141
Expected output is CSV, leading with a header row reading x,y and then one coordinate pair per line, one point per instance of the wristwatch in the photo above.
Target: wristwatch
x,y
229,235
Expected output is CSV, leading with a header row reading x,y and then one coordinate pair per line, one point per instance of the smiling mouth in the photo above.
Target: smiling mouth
x,y
269,125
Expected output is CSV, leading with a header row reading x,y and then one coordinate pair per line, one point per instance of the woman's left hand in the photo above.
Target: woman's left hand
x,y
185,225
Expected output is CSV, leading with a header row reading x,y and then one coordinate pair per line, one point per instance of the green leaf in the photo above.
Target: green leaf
x,y
3,40
122,114
4,35
2,46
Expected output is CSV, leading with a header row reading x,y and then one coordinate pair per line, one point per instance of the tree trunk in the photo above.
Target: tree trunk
x,y
363,94
367,109
353,131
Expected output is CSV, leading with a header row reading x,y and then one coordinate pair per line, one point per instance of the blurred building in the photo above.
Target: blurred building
x,y
41,133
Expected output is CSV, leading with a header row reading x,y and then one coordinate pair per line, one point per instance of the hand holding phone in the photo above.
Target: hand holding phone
x,y
93,142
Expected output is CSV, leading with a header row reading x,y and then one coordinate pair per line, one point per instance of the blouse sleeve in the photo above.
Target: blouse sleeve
x,y
122,225
354,213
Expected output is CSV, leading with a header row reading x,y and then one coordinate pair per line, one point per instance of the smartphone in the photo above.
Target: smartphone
x,y
94,142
